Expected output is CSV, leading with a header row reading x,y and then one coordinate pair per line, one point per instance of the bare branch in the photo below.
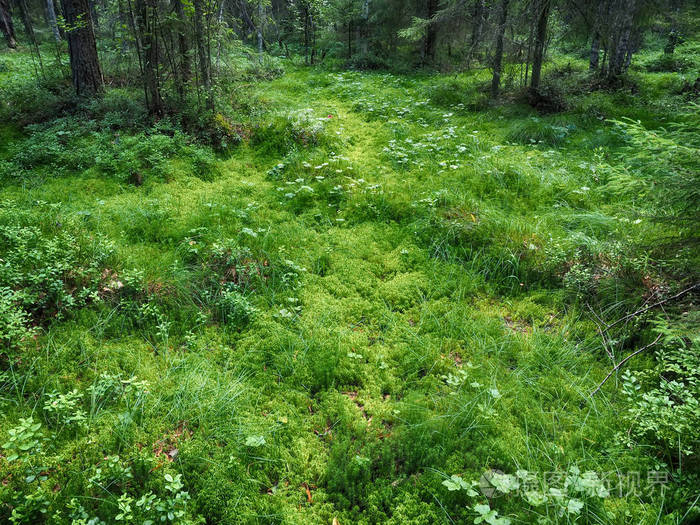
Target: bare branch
x,y
621,363
647,308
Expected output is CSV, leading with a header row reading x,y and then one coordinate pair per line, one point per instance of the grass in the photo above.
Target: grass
x,y
332,319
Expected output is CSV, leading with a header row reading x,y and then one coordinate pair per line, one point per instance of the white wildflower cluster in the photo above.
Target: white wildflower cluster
x,y
305,186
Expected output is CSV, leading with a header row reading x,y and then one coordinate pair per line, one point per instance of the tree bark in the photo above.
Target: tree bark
x,y
146,22
204,58
82,49
430,41
313,37
540,39
260,29
620,41
498,53
364,42
246,17
8,29
595,52
29,30
183,49
477,29
26,20
51,13
307,35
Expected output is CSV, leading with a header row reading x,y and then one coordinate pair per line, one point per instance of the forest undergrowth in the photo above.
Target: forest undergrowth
x,y
379,299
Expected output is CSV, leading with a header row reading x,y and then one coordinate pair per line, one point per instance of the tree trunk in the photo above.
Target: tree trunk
x,y
430,40
183,48
26,20
146,22
620,41
540,40
8,29
595,52
498,52
313,38
260,29
204,61
220,16
82,49
29,30
307,35
246,17
51,13
477,29
364,41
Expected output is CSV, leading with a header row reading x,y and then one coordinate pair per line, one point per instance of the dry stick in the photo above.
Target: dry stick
x,y
621,363
641,311
602,334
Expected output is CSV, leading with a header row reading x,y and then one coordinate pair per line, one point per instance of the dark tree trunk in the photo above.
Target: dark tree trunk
x,y
203,55
497,63
29,30
595,52
260,28
621,38
364,31
51,14
430,41
306,35
540,40
313,38
246,17
8,29
123,18
146,22
137,39
26,20
183,48
477,29
82,49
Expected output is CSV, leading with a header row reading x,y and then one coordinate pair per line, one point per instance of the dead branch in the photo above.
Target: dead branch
x,y
621,363
647,308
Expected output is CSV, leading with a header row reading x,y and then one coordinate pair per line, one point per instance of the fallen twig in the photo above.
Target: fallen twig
x,y
602,334
647,308
621,363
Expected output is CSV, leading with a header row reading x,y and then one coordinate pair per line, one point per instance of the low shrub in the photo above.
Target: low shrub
x,y
446,93
664,399
537,131
285,133
50,268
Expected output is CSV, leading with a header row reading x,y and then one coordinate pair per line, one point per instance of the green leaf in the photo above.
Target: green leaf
x,y
455,482
574,506
255,441
535,498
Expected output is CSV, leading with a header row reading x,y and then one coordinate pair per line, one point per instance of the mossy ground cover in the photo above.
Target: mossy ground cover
x,y
370,294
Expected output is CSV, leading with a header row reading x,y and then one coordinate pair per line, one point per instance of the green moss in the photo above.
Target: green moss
x,y
403,321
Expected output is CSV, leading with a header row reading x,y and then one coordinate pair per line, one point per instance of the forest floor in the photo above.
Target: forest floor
x,y
356,311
